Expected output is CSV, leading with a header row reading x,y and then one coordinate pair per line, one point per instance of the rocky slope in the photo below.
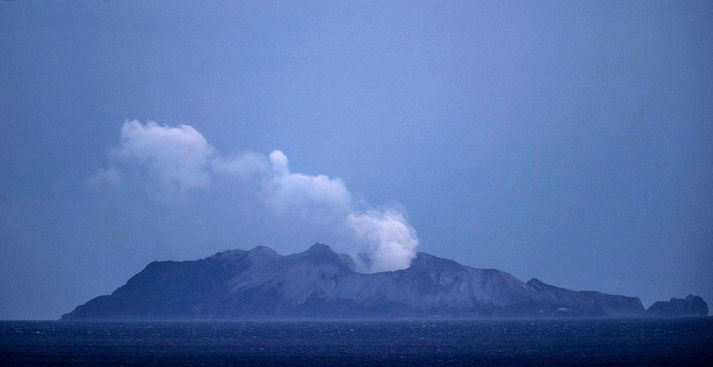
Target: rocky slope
x,y
319,283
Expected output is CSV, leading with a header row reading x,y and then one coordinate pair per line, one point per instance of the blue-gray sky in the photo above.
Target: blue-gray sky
x,y
568,141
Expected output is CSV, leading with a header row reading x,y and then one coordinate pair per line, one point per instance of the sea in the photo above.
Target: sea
x,y
634,342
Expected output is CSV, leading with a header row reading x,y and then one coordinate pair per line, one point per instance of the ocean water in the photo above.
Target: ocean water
x,y
679,342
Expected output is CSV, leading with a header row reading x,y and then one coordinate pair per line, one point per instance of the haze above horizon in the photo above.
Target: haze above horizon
x,y
567,141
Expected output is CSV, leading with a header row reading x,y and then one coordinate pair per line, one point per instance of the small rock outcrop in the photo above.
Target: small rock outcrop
x,y
691,306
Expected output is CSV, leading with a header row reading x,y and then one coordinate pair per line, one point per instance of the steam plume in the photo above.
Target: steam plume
x,y
174,160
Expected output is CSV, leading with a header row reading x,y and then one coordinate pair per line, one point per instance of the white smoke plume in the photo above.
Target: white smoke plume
x,y
385,236
174,160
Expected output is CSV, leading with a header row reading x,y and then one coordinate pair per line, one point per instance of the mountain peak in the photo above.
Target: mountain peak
x,y
320,248
263,251
428,261
534,282
228,253
319,253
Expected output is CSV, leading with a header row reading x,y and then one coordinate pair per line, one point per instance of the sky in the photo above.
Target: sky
x,y
568,141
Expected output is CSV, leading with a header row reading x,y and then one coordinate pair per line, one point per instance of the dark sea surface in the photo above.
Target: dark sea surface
x,y
678,342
